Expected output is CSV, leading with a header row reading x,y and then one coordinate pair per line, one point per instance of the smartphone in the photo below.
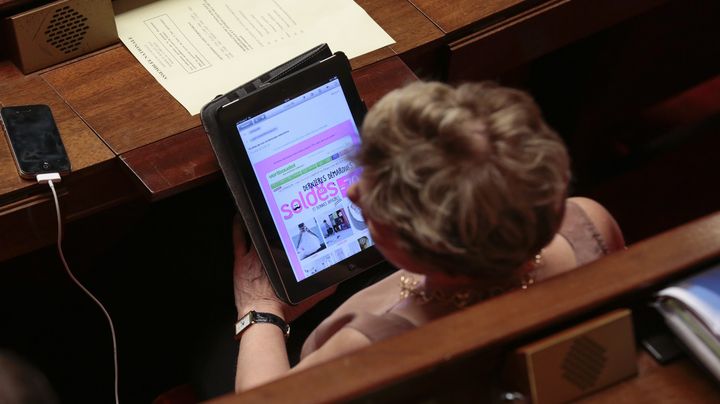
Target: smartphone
x,y
34,140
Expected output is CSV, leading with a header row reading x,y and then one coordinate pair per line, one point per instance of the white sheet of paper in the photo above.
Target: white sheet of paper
x,y
198,49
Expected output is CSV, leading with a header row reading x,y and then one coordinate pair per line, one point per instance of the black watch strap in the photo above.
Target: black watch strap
x,y
253,317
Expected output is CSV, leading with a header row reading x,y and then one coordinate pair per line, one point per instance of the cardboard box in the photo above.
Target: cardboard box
x,y
58,31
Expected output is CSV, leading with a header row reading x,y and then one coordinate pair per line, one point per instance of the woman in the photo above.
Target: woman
x,y
465,189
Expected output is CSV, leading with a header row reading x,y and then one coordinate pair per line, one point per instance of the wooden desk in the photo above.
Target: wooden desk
x,y
489,37
458,358
680,381
410,29
164,150
110,96
114,94
173,164
25,206
124,146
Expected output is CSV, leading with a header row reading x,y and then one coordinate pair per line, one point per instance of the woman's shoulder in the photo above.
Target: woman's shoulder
x,y
588,231
600,218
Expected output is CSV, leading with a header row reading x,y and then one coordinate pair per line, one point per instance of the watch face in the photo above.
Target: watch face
x,y
244,322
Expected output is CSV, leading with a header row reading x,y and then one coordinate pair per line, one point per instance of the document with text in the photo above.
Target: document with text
x,y
197,49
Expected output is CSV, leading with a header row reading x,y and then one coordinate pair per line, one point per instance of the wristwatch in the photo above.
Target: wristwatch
x,y
253,317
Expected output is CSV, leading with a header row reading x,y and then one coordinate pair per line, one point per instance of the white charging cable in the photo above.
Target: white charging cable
x,y
50,179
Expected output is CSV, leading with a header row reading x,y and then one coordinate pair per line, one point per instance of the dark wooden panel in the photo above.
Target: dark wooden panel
x,y
125,105
376,80
403,22
532,33
656,55
679,382
182,161
10,7
97,181
29,223
8,71
371,57
497,322
120,100
173,164
456,15
83,146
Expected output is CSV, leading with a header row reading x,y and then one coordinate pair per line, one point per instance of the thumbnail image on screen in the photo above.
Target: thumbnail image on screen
x,y
300,153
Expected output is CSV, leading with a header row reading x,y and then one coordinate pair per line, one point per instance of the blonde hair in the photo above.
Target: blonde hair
x,y
471,178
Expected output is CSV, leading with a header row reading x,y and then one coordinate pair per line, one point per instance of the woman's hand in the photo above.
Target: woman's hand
x,y
252,287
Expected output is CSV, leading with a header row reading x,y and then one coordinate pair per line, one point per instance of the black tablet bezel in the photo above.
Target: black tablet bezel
x,y
272,254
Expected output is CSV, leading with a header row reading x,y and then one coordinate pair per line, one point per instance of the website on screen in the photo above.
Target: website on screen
x,y
300,153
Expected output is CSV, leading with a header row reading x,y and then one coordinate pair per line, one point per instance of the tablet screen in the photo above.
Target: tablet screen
x,y
300,154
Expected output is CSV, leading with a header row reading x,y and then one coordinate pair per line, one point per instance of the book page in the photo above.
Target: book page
x,y
198,49
701,294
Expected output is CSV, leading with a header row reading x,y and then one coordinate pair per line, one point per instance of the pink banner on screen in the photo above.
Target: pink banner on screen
x,y
293,153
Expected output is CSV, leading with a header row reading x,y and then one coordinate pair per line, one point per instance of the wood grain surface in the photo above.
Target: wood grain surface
x,y
96,182
8,71
128,108
120,100
497,322
82,145
680,381
378,79
29,222
403,22
452,16
173,164
179,162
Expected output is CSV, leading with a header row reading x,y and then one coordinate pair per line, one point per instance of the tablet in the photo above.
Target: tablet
x,y
291,144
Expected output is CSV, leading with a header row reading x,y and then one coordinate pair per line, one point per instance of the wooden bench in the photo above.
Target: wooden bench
x,y
460,357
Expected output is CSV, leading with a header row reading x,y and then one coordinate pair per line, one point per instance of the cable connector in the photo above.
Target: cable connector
x,y
48,177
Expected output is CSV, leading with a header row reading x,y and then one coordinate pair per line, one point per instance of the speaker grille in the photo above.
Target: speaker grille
x,y
584,362
66,29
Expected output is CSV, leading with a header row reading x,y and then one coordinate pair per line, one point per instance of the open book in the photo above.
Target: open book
x,y
692,310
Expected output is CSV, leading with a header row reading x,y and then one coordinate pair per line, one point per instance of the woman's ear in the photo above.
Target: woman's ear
x,y
353,193
387,242
384,236
381,233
